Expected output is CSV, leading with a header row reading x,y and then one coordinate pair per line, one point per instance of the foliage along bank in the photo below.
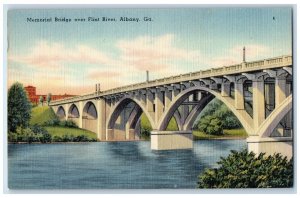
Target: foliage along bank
x,y
216,117
27,125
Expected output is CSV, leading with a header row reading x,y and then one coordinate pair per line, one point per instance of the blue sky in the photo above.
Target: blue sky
x,y
71,57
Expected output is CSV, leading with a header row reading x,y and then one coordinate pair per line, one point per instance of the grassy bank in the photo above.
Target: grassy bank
x,y
40,115
43,114
61,131
228,134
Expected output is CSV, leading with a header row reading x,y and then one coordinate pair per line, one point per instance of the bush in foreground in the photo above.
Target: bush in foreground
x,y
245,170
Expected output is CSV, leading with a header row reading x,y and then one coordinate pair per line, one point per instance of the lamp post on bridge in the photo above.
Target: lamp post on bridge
x,y
147,76
244,54
244,58
97,88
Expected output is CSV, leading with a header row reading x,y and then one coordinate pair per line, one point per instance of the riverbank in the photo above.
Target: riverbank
x,y
229,134
63,131
67,135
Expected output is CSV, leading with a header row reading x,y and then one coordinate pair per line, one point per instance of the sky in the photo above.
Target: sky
x,y
71,57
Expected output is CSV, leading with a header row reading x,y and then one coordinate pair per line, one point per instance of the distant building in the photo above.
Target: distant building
x,y
34,98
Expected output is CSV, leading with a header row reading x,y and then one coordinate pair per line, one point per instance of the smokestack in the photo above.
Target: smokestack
x,y
147,76
99,87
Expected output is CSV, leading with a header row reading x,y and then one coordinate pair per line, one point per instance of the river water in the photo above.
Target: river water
x,y
112,165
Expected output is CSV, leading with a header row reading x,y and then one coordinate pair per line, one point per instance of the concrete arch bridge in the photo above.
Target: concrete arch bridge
x,y
259,93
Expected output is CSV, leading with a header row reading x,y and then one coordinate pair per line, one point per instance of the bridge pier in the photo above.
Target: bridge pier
x,y
271,145
101,135
168,140
130,134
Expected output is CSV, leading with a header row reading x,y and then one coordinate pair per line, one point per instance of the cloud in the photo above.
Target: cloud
x,y
107,79
153,53
54,55
158,54
58,68
143,53
94,74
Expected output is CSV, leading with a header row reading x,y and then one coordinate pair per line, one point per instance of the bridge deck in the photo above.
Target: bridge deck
x,y
275,62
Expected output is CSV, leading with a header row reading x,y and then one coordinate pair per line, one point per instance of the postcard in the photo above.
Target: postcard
x,y
150,98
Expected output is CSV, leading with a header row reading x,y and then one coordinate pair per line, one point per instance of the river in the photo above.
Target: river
x,y
112,165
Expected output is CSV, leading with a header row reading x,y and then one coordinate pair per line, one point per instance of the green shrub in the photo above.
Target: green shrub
x,y
67,138
68,123
145,133
246,170
53,122
211,125
81,138
33,134
57,122
41,133
46,138
38,129
26,135
218,109
12,137
72,138
145,127
57,139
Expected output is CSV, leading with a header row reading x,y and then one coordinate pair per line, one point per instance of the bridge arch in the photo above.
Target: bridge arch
x,y
89,111
119,106
178,120
134,117
275,117
243,116
73,112
196,111
89,117
61,113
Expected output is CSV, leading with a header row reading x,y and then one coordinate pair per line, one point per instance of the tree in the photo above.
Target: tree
x,y
49,98
41,99
19,107
218,109
246,170
211,125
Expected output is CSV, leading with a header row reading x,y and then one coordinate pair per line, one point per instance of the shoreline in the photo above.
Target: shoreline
x,y
195,139
221,138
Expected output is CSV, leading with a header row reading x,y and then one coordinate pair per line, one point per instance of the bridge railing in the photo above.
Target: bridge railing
x,y
218,71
